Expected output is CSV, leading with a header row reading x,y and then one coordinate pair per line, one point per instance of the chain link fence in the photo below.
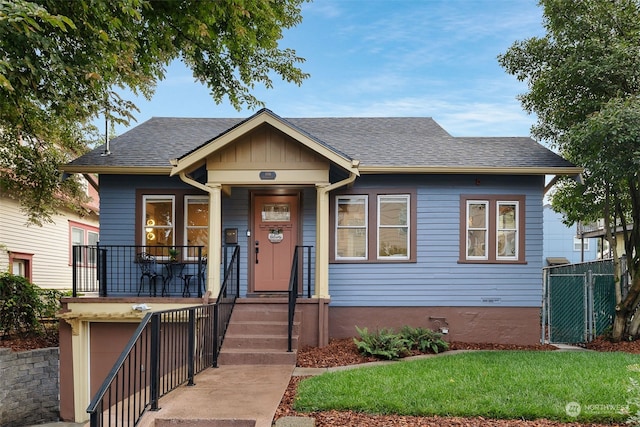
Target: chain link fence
x,y
579,301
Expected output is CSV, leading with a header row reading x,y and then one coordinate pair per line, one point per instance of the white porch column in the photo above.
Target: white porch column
x,y
322,242
81,375
215,238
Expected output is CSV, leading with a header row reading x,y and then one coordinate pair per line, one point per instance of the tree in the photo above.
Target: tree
x,y
62,62
584,86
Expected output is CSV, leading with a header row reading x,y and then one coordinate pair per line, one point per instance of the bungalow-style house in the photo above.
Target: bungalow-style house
x,y
400,223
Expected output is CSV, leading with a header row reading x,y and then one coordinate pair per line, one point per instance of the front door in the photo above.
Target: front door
x,y
275,236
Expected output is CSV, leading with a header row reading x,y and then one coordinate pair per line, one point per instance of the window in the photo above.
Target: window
x,y
159,220
393,226
179,218
20,264
580,245
196,224
83,235
351,230
373,226
492,229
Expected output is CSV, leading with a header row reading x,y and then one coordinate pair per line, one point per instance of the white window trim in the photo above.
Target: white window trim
x,y
364,198
407,225
186,229
151,197
517,230
486,229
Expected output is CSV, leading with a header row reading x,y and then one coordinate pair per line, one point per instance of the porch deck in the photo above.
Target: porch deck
x,y
140,271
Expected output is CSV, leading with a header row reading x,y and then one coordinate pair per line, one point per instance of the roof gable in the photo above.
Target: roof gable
x,y
198,156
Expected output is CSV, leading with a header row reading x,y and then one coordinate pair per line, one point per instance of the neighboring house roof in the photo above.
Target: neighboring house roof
x,y
380,144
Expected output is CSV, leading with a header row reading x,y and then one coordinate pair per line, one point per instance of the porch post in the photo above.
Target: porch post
x,y
215,239
80,355
322,241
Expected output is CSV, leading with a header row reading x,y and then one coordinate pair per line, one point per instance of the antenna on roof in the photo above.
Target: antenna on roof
x,y
106,151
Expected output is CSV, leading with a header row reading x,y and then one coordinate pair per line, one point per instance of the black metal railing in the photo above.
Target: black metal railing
x,y
229,292
297,269
167,349
112,270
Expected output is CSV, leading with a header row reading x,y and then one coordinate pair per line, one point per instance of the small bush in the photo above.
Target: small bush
x,y
383,344
25,309
20,306
424,340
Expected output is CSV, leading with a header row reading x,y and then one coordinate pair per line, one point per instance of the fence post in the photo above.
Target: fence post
x,y
155,361
192,342
545,301
102,271
590,303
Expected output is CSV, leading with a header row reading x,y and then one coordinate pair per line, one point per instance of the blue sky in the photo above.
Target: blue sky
x,y
371,58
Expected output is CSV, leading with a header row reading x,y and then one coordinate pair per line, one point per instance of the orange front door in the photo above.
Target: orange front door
x,y
275,236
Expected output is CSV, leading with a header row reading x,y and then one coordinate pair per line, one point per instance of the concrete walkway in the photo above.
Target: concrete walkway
x,y
235,394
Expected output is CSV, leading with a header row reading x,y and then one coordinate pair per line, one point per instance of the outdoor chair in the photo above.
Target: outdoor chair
x,y
147,265
186,292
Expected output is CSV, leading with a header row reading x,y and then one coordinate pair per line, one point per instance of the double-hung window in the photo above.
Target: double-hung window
x,y
196,224
374,226
86,237
492,229
351,227
159,220
393,226
173,219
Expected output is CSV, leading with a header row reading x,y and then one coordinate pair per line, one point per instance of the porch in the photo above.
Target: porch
x,y
165,271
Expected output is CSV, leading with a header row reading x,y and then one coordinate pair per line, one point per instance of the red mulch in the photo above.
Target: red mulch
x,y
344,352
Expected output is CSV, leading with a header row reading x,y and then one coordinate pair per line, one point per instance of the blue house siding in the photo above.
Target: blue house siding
x,y
558,240
118,204
437,279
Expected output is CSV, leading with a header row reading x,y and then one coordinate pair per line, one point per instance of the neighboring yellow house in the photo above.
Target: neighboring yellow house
x,y
43,254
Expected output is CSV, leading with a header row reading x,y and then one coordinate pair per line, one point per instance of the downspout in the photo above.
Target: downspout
x,y
322,251
215,223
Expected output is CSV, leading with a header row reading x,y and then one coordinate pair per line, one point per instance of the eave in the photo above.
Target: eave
x,y
117,170
469,170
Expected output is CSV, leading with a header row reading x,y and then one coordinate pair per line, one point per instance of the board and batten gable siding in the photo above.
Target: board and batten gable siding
x,y
437,278
50,244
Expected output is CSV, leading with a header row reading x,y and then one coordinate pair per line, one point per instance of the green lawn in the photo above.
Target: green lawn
x,y
494,384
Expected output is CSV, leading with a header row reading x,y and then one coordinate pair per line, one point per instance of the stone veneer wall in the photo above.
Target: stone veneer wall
x,y
29,387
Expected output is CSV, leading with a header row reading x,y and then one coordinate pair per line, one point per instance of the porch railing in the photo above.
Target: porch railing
x,y
229,292
297,270
166,351
118,270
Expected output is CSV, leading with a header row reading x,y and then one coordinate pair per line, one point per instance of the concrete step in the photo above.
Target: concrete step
x,y
255,357
259,341
252,312
250,327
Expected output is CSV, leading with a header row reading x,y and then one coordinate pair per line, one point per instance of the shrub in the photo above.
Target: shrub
x,y
20,306
383,344
424,340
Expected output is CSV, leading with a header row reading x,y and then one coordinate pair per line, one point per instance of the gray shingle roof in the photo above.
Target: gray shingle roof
x,y
385,142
